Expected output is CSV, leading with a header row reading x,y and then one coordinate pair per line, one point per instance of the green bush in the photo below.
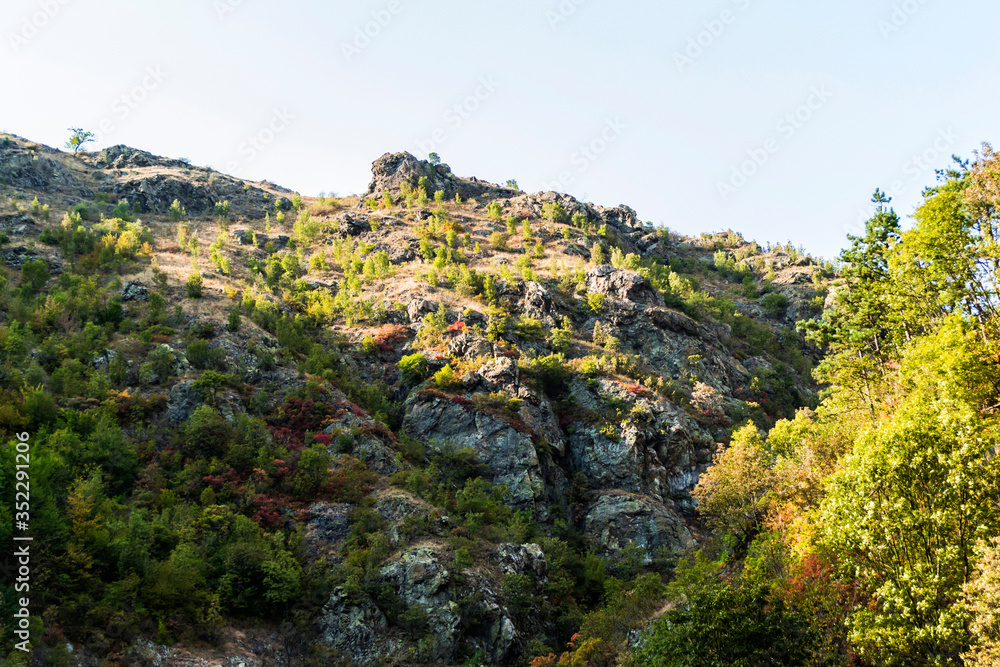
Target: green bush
x,y
554,212
413,369
498,241
177,212
446,378
222,210
724,625
194,286
206,433
776,304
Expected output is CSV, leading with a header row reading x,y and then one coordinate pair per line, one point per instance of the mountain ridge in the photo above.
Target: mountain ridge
x,y
416,396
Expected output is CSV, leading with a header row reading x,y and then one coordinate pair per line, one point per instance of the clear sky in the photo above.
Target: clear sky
x,y
776,119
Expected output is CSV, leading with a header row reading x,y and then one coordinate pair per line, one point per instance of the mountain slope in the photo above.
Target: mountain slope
x,y
431,422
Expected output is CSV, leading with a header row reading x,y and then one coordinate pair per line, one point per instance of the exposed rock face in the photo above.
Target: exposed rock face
x,y
16,222
329,524
354,224
30,169
18,256
182,401
134,291
509,453
622,285
417,308
393,169
422,580
521,559
469,346
537,301
125,157
467,615
617,519
157,192
356,628
659,452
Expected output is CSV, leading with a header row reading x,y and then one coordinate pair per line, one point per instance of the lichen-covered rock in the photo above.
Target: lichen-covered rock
x,y
523,559
622,285
134,291
329,524
659,451
422,580
469,346
417,308
356,628
500,374
354,224
617,519
182,401
508,452
537,302
392,170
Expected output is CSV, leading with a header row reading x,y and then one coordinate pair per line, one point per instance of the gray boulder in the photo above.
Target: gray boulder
x,y
622,285
134,291
508,452
617,519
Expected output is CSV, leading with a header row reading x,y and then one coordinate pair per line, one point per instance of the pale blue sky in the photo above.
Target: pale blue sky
x,y
887,80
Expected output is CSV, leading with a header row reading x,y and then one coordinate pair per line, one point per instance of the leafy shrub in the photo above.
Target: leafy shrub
x,y
554,212
413,368
776,304
222,210
177,212
529,328
550,373
206,433
498,241
194,286
446,378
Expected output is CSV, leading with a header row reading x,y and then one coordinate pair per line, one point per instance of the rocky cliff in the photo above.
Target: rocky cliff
x,y
493,373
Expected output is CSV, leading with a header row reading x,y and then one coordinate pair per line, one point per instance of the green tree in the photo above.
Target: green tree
x,y
734,494
904,514
78,139
722,625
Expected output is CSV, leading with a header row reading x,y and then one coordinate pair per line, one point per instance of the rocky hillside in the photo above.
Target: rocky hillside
x,y
429,424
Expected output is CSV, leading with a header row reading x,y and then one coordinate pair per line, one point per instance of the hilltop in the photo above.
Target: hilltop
x,y
433,421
